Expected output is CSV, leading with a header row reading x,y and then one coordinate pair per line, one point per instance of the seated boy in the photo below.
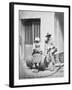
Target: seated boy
x,y
36,52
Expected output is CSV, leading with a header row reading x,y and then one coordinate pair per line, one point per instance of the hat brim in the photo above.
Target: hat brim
x,y
36,41
48,35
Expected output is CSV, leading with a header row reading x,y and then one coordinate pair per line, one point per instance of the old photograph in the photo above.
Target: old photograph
x,y
41,44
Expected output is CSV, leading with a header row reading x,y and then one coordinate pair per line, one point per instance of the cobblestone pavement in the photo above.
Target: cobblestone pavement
x,y
26,72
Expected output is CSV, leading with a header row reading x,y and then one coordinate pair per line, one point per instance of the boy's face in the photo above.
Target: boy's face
x,y
46,39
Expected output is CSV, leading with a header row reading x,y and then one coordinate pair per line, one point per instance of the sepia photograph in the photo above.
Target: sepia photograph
x,y
39,44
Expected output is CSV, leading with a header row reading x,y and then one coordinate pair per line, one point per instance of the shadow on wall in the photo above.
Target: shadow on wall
x,y
60,18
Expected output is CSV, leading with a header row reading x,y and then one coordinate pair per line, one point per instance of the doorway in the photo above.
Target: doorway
x,y
32,30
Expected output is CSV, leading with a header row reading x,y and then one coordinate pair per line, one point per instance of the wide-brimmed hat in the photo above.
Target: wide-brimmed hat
x,y
37,39
48,35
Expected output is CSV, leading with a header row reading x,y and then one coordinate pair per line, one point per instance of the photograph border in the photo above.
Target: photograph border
x,y
11,42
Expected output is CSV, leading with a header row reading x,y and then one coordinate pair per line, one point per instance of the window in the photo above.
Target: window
x,y
28,34
36,30
32,30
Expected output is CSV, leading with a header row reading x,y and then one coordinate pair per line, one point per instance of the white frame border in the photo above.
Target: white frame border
x,y
16,41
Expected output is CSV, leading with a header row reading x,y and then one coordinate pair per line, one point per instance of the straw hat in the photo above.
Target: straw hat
x,y
37,39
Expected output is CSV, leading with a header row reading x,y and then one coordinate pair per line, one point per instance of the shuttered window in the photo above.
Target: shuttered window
x,y
32,30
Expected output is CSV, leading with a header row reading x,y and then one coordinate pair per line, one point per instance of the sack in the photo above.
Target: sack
x,y
37,58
